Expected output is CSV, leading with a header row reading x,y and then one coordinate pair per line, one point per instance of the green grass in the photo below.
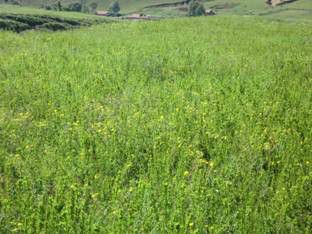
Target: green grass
x,y
176,126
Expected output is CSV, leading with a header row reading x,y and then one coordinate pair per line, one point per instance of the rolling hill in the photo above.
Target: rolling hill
x,y
259,7
301,9
126,5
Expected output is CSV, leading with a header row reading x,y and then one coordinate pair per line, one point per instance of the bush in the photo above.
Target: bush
x,y
19,23
114,8
15,2
47,7
59,6
50,7
7,24
26,19
72,22
93,6
54,26
74,7
196,8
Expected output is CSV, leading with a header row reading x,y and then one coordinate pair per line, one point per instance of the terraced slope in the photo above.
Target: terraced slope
x,y
11,9
19,19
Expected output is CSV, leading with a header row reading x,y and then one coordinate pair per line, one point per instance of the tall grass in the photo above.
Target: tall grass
x,y
178,126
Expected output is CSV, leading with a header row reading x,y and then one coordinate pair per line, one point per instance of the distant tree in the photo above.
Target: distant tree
x,y
114,8
93,6
74,7
59,6
200,10
196,8
47,7
84,7
15,2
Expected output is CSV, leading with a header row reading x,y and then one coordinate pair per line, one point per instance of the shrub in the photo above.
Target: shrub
x,y
26,19
55,26
59,6
114,8
196,8
18,23
47,7
84,7
7,24
14,2
93,6
76,6
50,7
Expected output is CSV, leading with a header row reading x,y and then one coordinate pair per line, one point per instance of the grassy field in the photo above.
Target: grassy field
x,y
176,126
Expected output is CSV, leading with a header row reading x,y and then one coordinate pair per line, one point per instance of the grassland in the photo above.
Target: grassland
x,y
176,126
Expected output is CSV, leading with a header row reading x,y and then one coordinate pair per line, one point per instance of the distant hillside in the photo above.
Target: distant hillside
x,y
18,19
300,9
126,5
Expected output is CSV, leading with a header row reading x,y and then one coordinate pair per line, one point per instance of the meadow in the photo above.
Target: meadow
x,y
199,125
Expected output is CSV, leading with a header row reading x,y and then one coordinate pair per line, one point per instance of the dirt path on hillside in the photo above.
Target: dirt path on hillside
x,y
279,2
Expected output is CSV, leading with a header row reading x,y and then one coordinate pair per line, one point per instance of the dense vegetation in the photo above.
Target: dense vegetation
x,y
196,8
20,22
19,19
181,126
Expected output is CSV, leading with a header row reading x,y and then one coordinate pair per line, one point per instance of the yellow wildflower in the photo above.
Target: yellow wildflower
x,y
94,196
